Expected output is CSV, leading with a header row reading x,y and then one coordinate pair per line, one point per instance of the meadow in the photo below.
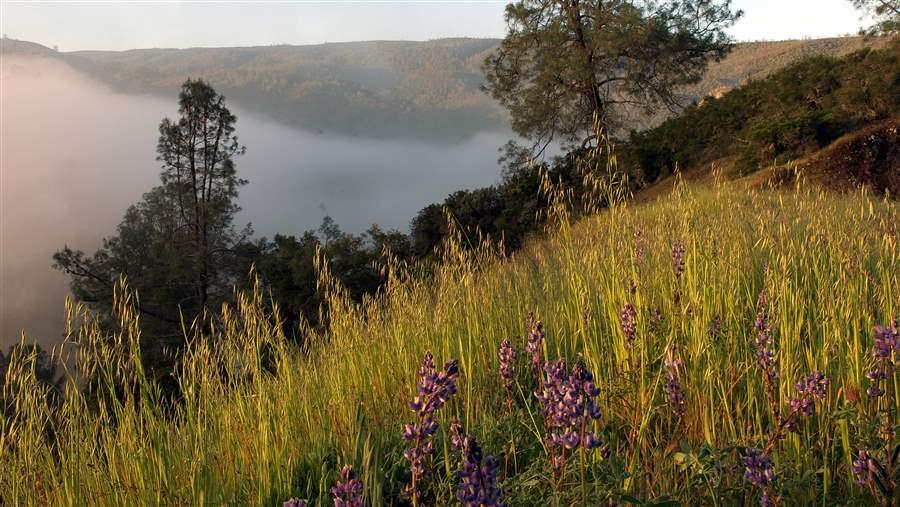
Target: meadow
x,y
685,324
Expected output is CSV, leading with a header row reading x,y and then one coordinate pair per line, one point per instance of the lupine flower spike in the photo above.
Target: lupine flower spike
x,y
887,341
765,354
627,321
435,389
678,258
295,502
677,267
568,405
507,357
674,394
477,475
760,472
864,468
809,389
535,345
348,490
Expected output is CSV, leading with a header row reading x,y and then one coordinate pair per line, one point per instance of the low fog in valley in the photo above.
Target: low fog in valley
x,y
75,154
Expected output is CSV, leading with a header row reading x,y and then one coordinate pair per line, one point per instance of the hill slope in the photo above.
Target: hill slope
x,y
787,116
263,420
379,88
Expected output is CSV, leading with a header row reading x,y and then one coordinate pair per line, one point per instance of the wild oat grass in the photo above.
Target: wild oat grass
x,y
263,420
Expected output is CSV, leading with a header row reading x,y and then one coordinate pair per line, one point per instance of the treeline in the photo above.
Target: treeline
x,y
504,213
786,116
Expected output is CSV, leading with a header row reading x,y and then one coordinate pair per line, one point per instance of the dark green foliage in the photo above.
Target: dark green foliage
x,y
506,212
788,115
287,267
177,246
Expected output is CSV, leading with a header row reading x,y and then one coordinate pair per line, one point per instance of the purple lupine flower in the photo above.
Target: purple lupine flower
x,y
507,356
627,321
672,386
765,355
348,490
678,258
477,475
434,390
535,343
876,376
295,502
759,469
863,467
887,341
760,472
809,389
815,384
568,405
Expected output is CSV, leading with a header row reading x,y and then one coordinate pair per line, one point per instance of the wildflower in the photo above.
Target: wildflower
x,y
809,389
875,376
535,343
477,475
863,467
295,502
760,472
627,321
814,385
507,355
678,258
348,490
887,341
765,355
567,404
435,389
673,382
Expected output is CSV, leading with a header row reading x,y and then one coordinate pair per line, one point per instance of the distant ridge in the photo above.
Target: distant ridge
x,y
381,88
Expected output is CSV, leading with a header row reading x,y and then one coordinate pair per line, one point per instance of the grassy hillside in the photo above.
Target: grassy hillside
x,y
381,88
804,276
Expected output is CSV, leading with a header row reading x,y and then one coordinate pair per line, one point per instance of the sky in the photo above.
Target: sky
x,y
118,25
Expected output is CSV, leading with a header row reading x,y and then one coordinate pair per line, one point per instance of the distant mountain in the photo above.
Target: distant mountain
x,y
378,89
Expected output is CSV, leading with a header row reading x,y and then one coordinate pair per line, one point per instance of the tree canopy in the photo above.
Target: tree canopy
x,y
885,14
567,64
178,246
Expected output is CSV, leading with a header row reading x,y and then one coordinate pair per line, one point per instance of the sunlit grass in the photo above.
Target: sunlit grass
x,y
263,420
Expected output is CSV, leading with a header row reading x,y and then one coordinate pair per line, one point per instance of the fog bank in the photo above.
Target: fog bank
x,y
75,155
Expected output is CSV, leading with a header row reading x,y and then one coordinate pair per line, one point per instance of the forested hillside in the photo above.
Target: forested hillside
x,y
381,88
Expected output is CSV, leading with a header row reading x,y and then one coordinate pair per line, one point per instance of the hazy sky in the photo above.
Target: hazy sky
x,y
115,25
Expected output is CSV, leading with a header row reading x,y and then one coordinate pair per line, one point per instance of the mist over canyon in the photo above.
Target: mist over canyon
x,y
76,153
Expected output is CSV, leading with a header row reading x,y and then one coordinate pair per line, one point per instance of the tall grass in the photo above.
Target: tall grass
x,y
263,420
